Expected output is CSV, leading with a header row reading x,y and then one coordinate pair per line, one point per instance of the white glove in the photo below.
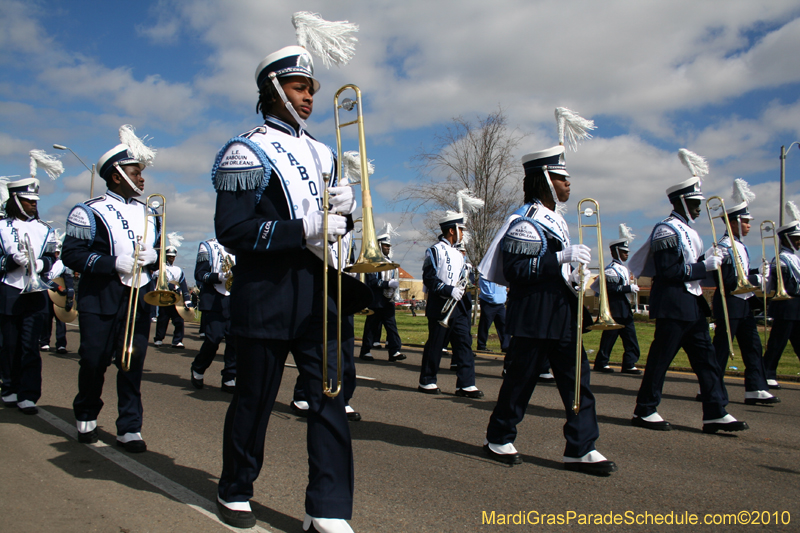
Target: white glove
x,y
224,276
342,200
713,261
187,303
763,270
147,256
576,253
575,277
20,258
312,225
393,283
124,264
634,288
39,265
457,293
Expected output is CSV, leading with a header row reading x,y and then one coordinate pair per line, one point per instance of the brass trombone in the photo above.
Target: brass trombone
x,y
604,319
162,296
768,226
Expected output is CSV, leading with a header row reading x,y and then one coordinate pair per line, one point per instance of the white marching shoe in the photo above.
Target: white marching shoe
x,y
326,525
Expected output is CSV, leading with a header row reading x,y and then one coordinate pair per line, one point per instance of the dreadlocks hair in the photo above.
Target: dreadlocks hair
x,y
535,187
267,97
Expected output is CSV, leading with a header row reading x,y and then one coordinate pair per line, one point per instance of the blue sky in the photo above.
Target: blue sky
x,y
719,78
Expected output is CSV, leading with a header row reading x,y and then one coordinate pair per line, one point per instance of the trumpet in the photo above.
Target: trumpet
x,y
35,283
451,303
162,296
604,319
768,227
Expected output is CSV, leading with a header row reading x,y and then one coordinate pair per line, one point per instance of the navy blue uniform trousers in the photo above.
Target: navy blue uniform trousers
x,y
693,337
461,343
47,329
524,359
382,316
348,363
629,342
21,362
782,332
260,363
101,345
165,314
746,332
492,313
217,329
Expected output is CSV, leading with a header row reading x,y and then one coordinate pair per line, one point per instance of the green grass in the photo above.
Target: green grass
x,y
414,330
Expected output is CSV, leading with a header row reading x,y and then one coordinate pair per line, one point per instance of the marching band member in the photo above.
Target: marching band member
x,y
445,276
785,313
27,248
177,281
672,256
68,290
384,288
269,183
742,322
531,255
619,287
102,236
216,308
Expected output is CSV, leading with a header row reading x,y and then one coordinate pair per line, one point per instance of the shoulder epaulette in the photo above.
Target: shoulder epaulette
x,y
663,237
81,223
242,179
524,236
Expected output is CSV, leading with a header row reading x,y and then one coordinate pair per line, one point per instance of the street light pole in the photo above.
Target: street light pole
x,y
91,185
783,176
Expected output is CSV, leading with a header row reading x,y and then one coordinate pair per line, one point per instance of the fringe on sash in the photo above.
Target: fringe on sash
x,y
663,244
514,246
202,256
244,180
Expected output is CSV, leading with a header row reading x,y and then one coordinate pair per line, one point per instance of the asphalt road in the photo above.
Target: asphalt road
x,y
418,458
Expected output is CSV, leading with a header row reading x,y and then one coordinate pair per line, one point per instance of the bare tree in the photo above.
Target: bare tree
x,y
477,156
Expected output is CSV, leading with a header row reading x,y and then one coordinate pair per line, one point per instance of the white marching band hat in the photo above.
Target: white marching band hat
x,y
742,197
28,188
131,151
625,237
792,226
386,234
466,204
175,240
689,189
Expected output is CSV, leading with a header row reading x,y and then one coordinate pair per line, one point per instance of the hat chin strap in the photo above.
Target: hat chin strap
x,y
689,218
122,173
25,213
286,102
561,207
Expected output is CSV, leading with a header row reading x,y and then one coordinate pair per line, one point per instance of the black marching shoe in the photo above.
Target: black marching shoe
x,y
656,425
90,437
507,458
726,423
297,410
604,369
196,383
27,407
230,389
760,397
396,357
469,393
633,370
428,391
352,414
600,468
240,519
133,446
366,357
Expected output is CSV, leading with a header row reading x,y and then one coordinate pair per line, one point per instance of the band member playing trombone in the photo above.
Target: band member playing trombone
x,y
740,316
103,234
445,276
672,256
620,288
532,255
785,313
27,248
269,183
177,283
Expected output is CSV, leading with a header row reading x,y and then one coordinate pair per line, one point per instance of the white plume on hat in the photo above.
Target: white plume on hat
x,y
467,203
4,196
175,239
696,164
388,229
572,127
626,232
333,42
49,163
792,211
351,163
741,192
141,152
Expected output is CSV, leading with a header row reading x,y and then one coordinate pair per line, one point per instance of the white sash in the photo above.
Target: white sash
x,y
216,258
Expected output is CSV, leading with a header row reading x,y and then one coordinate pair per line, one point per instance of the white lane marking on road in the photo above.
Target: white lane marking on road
x,y
179,492
366,378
